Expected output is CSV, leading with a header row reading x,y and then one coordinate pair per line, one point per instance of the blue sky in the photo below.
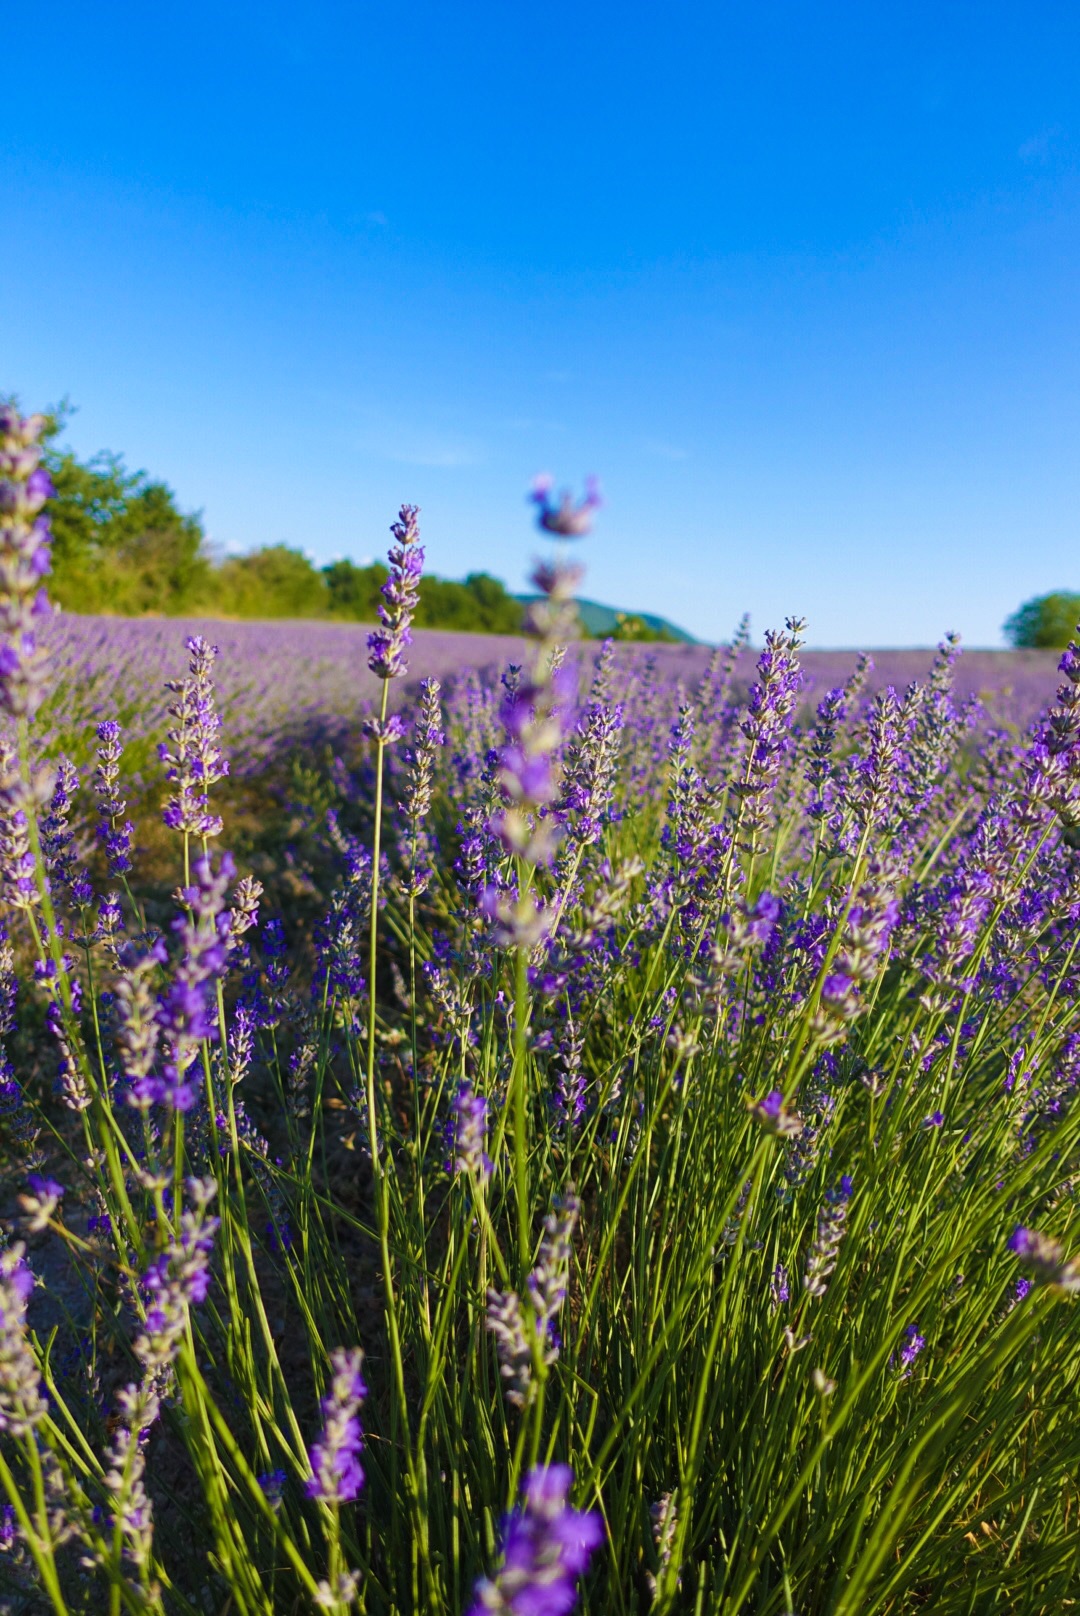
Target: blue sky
x,y
798,281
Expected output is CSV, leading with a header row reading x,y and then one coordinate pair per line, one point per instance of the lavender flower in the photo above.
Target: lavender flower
x,y
535,715
766,728
114,831
914,1343
272,1483
507,1323
548,1283
565,519
547,1546
525,1335
22,1405
57,838
336,1475
664,1515
1045,1258
24,561
825,1251
466,1134
776,1117
125,1473
177,1279
186,1012
41,1204
569,1096
192,754
401,593
416,848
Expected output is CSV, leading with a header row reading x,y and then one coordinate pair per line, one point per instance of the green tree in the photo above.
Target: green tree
x,y
353,591
480,603
275,581
120,541
631,626
1046,623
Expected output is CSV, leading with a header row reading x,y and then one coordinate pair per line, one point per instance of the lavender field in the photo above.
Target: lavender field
x,y
635,1171
280,682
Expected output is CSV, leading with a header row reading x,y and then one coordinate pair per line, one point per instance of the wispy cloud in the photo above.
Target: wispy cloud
x,y
665,451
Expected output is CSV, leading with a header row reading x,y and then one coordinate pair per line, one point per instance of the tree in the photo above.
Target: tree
x,y
275,581
481,603
353,591
120,541
1046,623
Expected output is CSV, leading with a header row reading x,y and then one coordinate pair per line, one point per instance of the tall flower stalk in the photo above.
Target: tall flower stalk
x,y
534,714
387,646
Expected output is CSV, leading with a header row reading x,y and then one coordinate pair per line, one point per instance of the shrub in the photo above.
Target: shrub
x,y
275,581
1045,623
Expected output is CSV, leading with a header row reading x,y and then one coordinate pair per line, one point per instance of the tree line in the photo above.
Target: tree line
x,y
121,544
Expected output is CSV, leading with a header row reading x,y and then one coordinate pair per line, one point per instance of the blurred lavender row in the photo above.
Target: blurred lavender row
x,y
279,681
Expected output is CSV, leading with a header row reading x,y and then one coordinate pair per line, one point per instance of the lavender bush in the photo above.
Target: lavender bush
x,y
650,1185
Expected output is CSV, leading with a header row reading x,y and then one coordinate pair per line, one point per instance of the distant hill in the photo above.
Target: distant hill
x,y
599,621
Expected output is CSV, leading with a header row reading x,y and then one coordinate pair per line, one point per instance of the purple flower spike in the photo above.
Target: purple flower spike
x,y
466,1134
546,1547
25,543
563,517
1045,1258
401,594
914,1343
336,1475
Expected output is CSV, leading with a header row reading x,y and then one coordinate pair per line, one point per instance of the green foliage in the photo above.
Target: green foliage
x,y
353,591
631,627
1045,623
120,542
275,581
480,603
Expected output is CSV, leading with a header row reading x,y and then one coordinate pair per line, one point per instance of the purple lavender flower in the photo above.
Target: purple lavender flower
x,y
22,1405
125,1472
40,1205
1046,1259
336,1474
547,1546
25,543
416,846
565,519
524,1334
825,1251
766,727
186,1012
466,1134
914,1343
272,1483
176,1280
401,593
114,831
192,754
776,1117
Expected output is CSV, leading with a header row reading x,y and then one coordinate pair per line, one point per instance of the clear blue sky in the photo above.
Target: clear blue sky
x,y
800,282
